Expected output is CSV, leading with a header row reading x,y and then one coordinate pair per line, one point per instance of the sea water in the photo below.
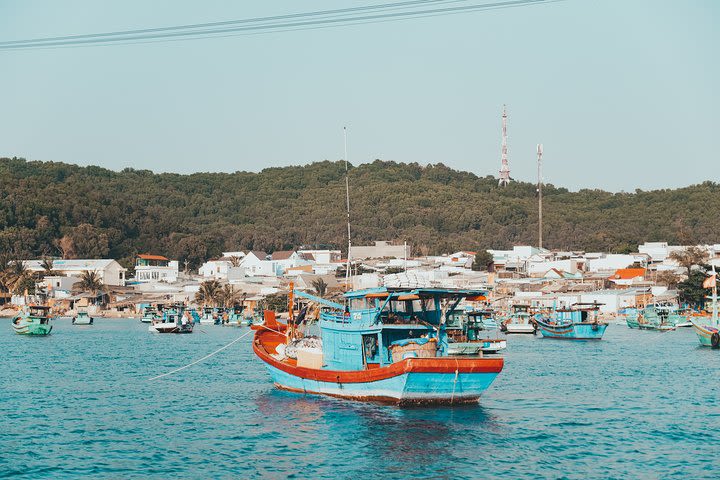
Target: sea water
x,y
79,404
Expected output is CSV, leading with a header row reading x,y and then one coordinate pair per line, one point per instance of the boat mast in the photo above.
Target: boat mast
x,y
539,188
348,273
714,299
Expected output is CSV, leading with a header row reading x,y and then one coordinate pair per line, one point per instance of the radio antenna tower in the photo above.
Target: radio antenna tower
x,y
505,167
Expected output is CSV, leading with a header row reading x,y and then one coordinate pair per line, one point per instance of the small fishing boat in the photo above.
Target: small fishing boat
x,y
655,317
465,333
33,320
150,313
519,321
579,322
210,316
174,320
82,317
708,328
386,345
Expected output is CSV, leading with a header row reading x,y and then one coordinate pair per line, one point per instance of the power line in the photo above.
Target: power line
x,y
331,18
232,22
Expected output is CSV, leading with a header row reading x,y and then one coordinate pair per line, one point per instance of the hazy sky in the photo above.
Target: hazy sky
x,y
623,94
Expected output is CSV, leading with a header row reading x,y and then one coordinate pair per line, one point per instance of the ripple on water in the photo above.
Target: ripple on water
x,y
635,405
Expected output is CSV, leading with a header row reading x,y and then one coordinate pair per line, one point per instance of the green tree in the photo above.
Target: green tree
x,y
689,257
277,302
17,278
691,289
89,282
209,293
228,296
483,260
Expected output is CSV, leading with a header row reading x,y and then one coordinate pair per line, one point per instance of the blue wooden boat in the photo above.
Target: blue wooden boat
x,y
579,322
386,345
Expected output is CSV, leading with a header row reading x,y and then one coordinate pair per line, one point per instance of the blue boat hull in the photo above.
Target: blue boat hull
x,y
573,331
406,389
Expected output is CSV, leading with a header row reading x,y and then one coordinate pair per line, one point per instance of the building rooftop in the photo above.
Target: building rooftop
x,y
147,256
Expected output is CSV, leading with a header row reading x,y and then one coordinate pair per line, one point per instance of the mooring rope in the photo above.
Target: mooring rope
x,y
201,359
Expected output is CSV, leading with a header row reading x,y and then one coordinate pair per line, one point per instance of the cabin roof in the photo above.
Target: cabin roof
x,y
282,254
421,292
628,273
147,256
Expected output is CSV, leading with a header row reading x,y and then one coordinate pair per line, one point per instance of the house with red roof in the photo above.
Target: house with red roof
x,y
628,276
150,268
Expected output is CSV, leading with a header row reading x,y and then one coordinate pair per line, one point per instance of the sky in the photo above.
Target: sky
x,y
623,94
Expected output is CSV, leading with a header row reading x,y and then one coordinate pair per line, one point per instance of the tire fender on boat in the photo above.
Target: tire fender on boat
x,y
715,340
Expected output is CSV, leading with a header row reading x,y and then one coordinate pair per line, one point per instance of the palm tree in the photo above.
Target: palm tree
x,y
209,292
89,282
228,296
235,261
16,276
47,265
320,286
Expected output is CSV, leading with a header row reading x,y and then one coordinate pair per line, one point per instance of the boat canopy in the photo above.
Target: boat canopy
x,y
417,293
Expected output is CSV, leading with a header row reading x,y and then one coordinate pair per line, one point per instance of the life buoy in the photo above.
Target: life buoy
x,y
715,340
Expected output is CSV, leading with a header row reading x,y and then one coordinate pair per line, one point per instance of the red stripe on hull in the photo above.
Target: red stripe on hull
x,y
409,365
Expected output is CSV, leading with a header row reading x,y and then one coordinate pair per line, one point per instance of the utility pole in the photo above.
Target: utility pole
x,y
539,189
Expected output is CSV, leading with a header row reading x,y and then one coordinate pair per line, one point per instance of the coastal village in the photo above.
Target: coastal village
x,y
523,275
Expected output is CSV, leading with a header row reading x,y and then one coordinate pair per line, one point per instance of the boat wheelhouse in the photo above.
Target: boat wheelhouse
x,y
467,333
519,321
174,320
388,345
579,322
33,320
82,317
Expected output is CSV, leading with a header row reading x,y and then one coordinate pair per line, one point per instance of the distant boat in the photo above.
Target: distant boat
x,y
149,314
210,316
708,328
579,322
174,320
34,320
82,317
519,321
466,333
654,317
388,345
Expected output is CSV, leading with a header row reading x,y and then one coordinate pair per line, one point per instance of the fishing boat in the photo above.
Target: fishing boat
x,y
708,328
466,333
174,320
519,321
33,320
579,322
653,317
385,345
82,317
150,313
210,316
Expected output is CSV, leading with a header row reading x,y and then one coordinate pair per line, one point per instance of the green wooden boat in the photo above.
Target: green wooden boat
x,y
35,320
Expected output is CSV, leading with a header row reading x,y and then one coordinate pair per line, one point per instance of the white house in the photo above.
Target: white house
x,y
109,271
609,262
321,256
255,264
155,268
222,268
381,249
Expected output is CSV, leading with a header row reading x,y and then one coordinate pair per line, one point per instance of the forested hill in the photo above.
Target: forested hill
x,y
56,208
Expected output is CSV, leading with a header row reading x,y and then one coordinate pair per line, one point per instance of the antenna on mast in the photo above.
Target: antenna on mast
x,y
348,273
504,167
539,189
